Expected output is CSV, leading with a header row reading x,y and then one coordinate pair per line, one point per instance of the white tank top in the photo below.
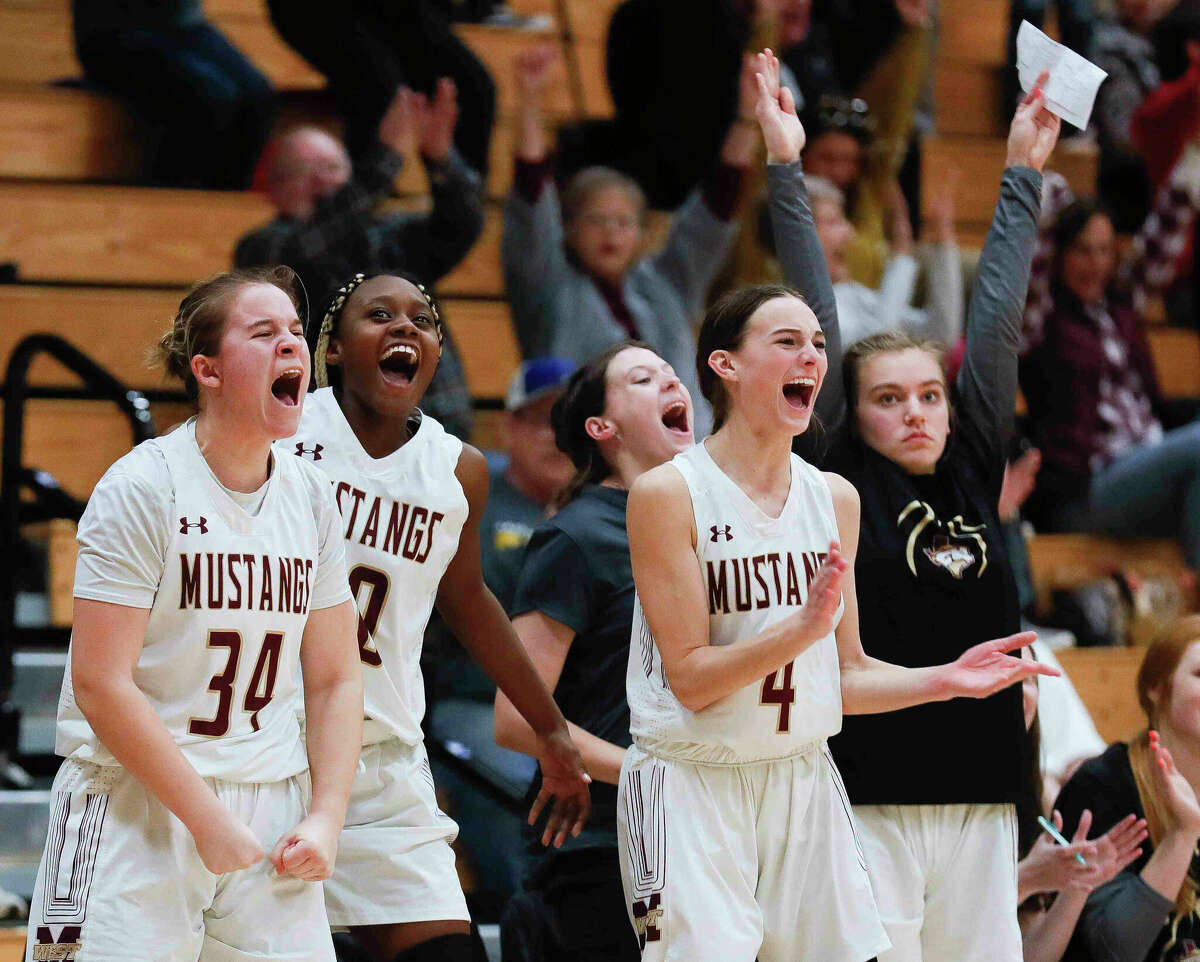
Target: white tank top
x,y
756,571
402,515
220,663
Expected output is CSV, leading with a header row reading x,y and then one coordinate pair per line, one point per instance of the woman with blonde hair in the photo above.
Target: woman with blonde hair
x,y
1148,912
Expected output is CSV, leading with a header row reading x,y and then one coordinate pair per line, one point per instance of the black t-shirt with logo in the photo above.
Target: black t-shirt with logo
x,y
577,571
933,579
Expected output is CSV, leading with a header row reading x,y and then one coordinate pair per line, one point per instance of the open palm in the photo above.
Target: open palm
x,y
775,109
988,667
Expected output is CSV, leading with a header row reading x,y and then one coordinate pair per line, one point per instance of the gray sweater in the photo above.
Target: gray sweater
x,y
557,309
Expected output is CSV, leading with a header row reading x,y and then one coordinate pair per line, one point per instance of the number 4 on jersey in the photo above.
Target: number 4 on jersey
x,y
781,694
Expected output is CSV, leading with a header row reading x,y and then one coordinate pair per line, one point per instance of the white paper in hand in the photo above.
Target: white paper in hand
x,y
1071,90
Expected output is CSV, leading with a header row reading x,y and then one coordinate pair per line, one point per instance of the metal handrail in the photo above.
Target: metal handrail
x,y
98,385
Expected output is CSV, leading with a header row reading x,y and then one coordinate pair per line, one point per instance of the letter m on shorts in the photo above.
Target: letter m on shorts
x,y
62,949
646,915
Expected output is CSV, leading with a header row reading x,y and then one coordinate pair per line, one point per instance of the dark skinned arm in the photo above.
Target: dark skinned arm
x,y
475,616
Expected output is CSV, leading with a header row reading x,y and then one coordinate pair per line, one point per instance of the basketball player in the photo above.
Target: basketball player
x,y
411,496
209,573
745,654
622,413
934,577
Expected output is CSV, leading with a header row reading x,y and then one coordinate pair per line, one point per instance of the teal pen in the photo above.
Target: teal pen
x,y
1058,837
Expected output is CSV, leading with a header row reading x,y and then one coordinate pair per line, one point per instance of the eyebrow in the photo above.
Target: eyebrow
x,y
795,330
892,386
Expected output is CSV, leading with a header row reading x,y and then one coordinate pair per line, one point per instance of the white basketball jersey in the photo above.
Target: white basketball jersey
x,y
220,662
756,571
402,518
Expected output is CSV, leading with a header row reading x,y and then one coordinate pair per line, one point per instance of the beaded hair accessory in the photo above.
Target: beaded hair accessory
x,y
329,322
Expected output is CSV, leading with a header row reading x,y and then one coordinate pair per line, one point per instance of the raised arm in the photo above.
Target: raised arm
x,y
987,381
662,539
432,245
343,214
796,241
531,246
472,612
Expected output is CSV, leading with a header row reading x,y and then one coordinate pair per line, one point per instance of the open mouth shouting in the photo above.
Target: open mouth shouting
x,y
799,392
287,387
399,364
675,418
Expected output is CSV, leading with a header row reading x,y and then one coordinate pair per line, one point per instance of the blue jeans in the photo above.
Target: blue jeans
x,y
1153,491
212,107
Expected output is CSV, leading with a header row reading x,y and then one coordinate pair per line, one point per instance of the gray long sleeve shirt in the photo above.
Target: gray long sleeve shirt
x,y
557,308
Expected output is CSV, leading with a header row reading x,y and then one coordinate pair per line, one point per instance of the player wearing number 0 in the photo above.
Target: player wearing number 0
x,y
209,572
411,496
738,842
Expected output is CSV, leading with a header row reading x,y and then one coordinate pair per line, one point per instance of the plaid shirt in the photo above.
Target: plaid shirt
x,y
345,235
1157,247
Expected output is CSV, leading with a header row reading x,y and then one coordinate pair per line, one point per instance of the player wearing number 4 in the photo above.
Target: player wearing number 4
x,y
737,841
411,496
209,572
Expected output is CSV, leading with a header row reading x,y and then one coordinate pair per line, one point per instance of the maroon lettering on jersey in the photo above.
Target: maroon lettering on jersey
x,y
357,495
235,585
718,588
63,949
189,582
434,518
285,585
395,528
216,582
266,594
371,527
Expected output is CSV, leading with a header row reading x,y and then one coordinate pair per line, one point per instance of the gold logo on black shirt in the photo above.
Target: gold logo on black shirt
x,y
951,544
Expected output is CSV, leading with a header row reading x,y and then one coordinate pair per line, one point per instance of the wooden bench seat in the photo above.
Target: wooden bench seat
x,y
1106,680
1062,561
1176,353
118,327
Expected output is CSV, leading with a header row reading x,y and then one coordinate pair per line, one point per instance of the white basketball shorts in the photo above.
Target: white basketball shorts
x,y
945,878
743,862
120,878
394,859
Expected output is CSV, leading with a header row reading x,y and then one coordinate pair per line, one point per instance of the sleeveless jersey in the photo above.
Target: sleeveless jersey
x,y
220,662
756,571
402,516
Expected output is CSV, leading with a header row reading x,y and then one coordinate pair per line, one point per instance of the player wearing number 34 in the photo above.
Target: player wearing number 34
x,y
411,497
209,573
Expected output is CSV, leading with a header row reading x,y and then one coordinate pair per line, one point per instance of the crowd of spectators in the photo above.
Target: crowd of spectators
x,y
1115,455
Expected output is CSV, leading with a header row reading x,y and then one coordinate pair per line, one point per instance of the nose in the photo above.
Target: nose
x,y
289,344
913,414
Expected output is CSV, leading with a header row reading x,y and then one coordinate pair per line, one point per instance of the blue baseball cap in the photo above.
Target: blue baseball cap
x,y
535,378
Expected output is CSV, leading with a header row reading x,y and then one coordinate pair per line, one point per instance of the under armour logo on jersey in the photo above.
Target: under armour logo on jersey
x,y
185,525
719,532
313,453
645,920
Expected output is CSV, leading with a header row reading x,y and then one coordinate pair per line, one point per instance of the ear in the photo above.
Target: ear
x,y
723,365
600,429
207,371
333,351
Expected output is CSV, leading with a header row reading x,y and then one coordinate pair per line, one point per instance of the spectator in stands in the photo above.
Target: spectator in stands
x,y
861,149
326,227
622,413
863,311
1052,884
211,108
367,48
1148,912
1122,47
1108,462
574,278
